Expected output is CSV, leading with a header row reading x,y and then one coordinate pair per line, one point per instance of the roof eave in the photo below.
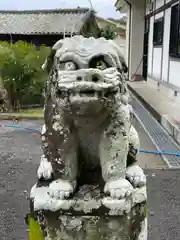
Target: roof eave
x,y
121,6
40,33
87,14
57,10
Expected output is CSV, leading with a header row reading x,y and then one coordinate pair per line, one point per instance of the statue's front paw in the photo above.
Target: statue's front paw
x,y
136,176
45,169
60,189
118,189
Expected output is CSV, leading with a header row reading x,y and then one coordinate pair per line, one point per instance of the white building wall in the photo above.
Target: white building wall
x,y
157,56
156,53
150,45
174,72
159,15
137,37
166,38
127,36
161,66
174,67
147,7
159,3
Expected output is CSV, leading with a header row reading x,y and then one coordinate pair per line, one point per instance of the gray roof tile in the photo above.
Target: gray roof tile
x,y
43,21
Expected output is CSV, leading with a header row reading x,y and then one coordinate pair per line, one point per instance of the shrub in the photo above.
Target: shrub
x,y
20,70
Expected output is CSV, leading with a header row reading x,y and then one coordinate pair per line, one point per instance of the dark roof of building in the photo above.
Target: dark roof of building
x,y
43,21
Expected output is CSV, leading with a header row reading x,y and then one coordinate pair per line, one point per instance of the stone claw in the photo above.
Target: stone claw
x,y
118,189
60,189
136,176
45,169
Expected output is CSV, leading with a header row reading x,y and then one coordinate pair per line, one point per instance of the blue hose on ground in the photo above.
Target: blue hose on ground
x,y
160,153
38,130
17,126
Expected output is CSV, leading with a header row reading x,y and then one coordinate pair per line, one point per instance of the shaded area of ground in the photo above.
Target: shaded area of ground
x,y
19,157
147,161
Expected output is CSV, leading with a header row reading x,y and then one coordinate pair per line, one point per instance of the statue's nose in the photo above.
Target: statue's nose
x,y
88,77
79,78
95,78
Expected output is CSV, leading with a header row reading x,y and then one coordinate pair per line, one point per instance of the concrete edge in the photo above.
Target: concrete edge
x,y
164,158
150,108
171,128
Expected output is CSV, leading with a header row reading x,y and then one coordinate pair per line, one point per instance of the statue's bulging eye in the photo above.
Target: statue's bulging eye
x,y
69,66
101,65
98,62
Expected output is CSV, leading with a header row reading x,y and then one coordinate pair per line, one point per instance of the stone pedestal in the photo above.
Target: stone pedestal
x,y
89,215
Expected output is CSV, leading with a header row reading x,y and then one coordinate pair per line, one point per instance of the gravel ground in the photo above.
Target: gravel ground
x,y
19,157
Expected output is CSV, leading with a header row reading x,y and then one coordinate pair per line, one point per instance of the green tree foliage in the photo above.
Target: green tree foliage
x,y
20,70
108,32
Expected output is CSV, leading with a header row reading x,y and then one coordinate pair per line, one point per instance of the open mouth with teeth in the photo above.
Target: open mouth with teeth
x,y
85,85
87,93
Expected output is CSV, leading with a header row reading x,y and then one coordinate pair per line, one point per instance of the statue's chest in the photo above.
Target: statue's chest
x,y
89,136
89,146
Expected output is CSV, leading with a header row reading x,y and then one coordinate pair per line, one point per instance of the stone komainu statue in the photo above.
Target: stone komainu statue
x,y
88,119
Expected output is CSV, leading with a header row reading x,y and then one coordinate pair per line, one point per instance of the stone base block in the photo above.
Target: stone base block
x,y
90,215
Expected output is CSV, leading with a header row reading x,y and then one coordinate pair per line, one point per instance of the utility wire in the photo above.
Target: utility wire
x,y
90,2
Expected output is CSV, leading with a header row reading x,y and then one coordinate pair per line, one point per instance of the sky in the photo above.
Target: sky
x,y
104,8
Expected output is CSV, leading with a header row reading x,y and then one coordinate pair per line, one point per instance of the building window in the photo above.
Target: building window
x,y
174,47
158,32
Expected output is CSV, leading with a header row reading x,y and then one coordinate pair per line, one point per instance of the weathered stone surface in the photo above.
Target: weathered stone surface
x,y
89,215
89,199
130,227
88,119
89,183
